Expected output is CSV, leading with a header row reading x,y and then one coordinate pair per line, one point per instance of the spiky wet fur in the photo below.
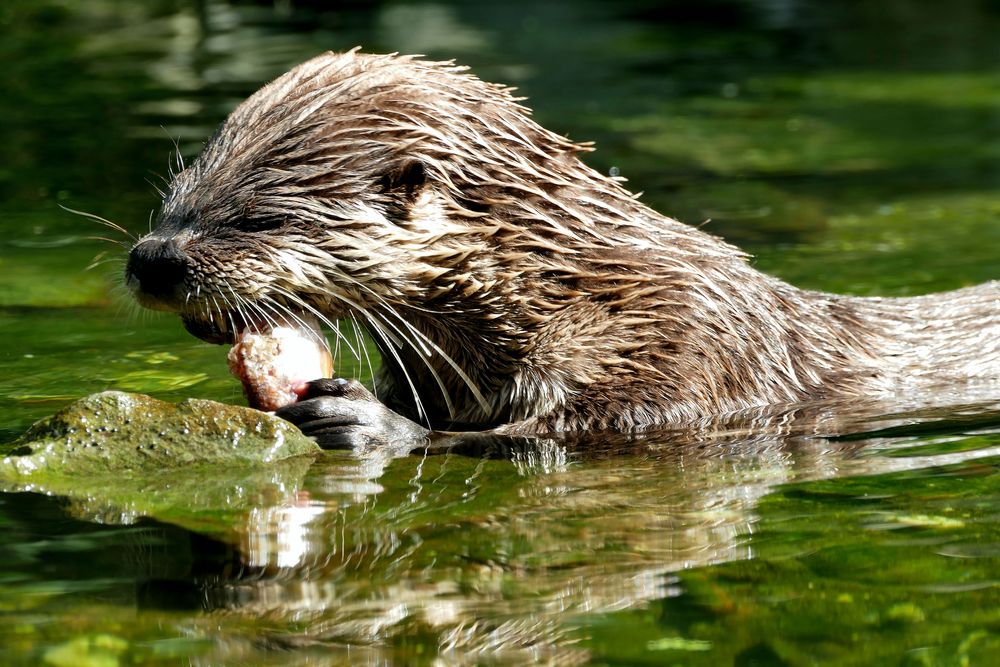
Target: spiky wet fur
x,y
507,283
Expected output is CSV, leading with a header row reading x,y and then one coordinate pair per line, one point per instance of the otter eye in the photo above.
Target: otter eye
x,y
405,179
260,224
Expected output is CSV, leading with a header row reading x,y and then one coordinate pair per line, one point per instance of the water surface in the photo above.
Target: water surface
x,y
852,148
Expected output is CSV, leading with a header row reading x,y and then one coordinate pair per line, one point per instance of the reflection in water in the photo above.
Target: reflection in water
x,y
499,549
851,144
278,535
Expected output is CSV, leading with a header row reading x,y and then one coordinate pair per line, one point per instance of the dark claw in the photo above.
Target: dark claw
x,y
343,414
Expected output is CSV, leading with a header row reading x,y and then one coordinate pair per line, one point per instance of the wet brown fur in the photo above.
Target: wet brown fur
x,y
516,286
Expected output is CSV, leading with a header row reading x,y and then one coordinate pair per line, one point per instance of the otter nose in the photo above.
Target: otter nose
x,y
157,267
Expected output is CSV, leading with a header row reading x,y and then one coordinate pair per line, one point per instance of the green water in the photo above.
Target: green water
x,y
852,147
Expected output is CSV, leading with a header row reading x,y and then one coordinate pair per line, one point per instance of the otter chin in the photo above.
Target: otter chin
x,y
508,286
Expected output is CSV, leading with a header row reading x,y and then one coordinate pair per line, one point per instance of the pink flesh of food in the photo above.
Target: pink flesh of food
x,y
275,364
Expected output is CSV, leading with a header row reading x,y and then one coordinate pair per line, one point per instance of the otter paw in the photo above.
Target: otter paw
x,y
342,414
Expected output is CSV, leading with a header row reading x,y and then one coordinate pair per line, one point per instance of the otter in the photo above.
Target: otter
x,y
509,287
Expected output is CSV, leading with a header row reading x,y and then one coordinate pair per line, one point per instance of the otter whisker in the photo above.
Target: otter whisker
x,y
267,307
336,341
364,348
243,306
377,330
157,188
102,258
473,387
223,309
104,221
207,312
178,156
176,160
423,351
282,313
400,340
287,314
421,411
254,308
301,303
225,313
120,244
356,363
425,359
318,314
340,275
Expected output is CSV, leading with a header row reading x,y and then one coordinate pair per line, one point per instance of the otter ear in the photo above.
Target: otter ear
x,y
404,180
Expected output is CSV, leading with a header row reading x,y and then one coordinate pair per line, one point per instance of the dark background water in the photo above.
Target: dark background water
x,y
851,146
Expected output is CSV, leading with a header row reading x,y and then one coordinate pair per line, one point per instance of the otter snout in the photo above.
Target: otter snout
x,y
156,271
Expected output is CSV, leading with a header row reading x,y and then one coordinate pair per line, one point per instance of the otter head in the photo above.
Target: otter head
x,y
358,184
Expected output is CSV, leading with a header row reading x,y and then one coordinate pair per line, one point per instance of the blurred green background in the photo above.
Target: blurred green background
x,y
852,146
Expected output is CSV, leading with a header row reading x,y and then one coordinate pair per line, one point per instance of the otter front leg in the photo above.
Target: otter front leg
x,y
342,414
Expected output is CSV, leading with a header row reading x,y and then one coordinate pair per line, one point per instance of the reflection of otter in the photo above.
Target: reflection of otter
x,y
562,534
506,283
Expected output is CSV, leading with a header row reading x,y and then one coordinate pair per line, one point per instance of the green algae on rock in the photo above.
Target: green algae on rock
x,y
116,431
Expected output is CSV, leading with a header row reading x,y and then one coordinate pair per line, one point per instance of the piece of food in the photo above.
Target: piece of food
x,y
275,363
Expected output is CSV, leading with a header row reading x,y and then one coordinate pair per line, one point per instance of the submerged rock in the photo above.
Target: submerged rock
x,y
116,431
205,466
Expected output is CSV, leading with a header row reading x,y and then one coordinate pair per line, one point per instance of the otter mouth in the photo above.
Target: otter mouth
x,y
274,357
216,332
226,328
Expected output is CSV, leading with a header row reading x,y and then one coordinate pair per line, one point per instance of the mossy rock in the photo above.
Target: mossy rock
x,y
115,431
205,466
